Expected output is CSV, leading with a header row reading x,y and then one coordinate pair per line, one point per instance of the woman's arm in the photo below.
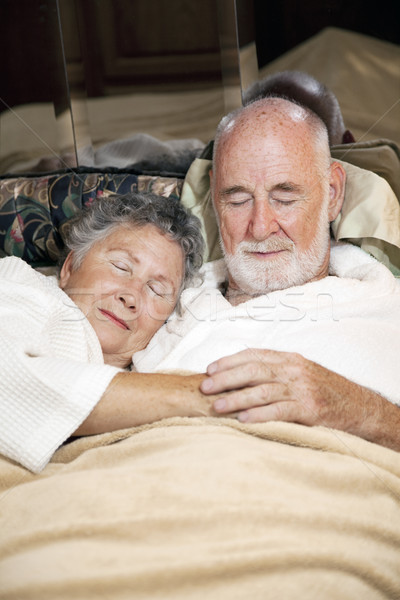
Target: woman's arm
x,y
138,398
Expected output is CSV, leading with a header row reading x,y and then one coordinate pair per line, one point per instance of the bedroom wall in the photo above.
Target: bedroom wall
x,y
127,45
80,73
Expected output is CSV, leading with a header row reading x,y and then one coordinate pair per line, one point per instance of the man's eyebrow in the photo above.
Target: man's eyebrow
x,y
234,189
288,186
284,186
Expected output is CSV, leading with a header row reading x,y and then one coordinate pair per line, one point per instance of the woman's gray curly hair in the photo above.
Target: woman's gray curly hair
x,y
95,222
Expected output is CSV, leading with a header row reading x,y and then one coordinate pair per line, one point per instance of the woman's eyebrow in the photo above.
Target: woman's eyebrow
x,y
135,259
128,253
163,278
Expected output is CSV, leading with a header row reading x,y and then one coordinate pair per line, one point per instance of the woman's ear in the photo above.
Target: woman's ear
x,y
66,271
337,186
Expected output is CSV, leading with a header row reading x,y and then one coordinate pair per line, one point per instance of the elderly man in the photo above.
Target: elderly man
x,y
275,191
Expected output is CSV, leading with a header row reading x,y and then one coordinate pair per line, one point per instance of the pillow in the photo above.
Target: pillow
x,y
380,156
34,209
370,216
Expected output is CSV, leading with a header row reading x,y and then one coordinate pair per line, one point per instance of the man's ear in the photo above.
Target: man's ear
x,y
337,186
66,271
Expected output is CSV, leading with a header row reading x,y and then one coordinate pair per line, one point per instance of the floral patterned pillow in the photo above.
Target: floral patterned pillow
x,y
34,209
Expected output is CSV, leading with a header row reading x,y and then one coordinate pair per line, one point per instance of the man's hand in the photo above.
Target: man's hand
x,y
279,386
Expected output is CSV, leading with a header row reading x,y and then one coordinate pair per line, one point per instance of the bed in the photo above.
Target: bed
x,y
193,507
205,507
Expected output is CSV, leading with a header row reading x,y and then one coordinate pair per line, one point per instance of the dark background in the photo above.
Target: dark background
x,y
281,25
119,46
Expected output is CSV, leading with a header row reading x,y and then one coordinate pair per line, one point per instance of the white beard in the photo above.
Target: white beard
x,y
293,267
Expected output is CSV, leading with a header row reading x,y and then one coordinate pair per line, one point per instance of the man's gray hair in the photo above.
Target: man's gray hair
x,y
304,89
316,125
97,221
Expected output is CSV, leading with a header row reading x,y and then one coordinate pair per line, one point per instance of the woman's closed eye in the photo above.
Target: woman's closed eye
x,y
157,289
121,266
160,292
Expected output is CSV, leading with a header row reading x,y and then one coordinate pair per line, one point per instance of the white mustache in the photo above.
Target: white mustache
x,y
265,246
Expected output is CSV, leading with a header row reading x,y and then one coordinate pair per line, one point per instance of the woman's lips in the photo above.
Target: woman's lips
x,y
114,319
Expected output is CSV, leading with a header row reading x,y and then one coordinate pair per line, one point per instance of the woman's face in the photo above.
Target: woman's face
x,y
126,286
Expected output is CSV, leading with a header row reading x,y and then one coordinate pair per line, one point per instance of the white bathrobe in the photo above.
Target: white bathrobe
x,y
51,365
348,322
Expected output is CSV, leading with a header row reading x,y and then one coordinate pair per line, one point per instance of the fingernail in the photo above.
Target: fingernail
x,y
243,417
219,404
206,385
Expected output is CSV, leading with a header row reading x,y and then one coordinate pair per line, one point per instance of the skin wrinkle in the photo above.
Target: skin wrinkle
x,y
274,159
133,276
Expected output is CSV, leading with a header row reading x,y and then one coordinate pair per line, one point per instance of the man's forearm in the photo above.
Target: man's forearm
x,y
267,385
133,399
379,420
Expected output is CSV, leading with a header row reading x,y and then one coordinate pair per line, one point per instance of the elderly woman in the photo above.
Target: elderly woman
x,y
66,341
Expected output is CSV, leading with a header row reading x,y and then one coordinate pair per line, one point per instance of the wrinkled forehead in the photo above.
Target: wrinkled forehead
x,y
271,136
268,122
269,142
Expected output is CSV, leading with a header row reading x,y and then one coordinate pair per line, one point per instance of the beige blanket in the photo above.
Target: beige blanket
x,y
204,508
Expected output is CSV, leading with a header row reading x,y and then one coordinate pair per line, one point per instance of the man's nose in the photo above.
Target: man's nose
x,y
263,221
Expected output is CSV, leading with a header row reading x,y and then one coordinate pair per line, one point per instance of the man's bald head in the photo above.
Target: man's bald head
x,y
307,91
275,117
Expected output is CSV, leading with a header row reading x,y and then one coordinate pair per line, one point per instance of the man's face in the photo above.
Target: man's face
x,y
271,196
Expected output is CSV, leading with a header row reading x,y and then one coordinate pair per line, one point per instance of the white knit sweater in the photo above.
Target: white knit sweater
x,y
51,365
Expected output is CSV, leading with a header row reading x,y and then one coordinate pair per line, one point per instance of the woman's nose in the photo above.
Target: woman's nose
x,y
129,300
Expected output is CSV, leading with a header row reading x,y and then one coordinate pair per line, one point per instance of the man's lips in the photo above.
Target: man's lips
x,y
268,254
114,319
